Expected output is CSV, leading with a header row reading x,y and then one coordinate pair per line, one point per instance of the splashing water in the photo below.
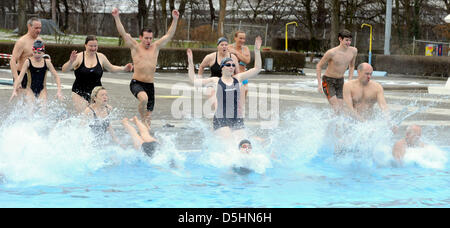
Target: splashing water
x,y
312,159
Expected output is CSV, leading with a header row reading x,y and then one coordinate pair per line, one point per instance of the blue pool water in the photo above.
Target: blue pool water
x,y
57,166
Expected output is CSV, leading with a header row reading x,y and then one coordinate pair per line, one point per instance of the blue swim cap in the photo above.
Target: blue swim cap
x,y
225,60
222,39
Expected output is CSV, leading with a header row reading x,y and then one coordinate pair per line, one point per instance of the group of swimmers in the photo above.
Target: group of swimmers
x,y
229,78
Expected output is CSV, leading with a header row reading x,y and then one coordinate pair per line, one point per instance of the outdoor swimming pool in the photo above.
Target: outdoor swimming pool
x,y
55,165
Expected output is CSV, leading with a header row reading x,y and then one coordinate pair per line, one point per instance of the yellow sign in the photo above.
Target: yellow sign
x,y
429,50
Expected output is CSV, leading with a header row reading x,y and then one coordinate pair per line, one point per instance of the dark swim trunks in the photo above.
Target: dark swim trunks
x,y
137,86
24,80
149,148
333,87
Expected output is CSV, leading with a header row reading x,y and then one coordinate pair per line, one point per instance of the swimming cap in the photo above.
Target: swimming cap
x,y
225,60
243,142
38,45
222,39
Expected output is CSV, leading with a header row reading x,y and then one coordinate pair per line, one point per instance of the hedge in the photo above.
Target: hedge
x,y
305,45
414,65
168,57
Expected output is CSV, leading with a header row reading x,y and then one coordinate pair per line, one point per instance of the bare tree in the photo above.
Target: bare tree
x,y
164,14
143,11
222,11
155,19
54,11
212,11
335,11
22,17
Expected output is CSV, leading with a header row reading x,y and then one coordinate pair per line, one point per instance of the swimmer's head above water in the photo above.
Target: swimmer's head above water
x,y
222,44
38,49
245,146
229,64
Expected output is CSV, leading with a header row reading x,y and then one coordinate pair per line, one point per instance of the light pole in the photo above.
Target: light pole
x,y
287,32
387,29
370,42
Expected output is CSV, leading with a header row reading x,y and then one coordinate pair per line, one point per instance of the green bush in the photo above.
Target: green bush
x,y
305,45
169,58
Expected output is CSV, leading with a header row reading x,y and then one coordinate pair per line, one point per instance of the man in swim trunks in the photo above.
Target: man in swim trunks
x,y
145,58
23,49
339,59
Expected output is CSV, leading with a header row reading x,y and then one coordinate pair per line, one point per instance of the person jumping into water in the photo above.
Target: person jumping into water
x,y
227,122
339,59
88,69
145,58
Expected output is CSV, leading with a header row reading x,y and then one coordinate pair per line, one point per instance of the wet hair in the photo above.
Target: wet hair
x,y
244,141
222,39
225,60
345,34
95,92
237,33
31,20
149,30
90,38
39,45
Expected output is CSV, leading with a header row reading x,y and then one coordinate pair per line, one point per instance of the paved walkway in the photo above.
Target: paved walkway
x,y
294,91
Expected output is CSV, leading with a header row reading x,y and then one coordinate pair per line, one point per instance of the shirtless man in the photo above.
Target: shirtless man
x,y
361,94
145,58
23,49
338,59
411,140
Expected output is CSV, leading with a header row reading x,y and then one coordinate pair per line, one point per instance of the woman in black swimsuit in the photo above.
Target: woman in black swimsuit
x,y
98,112
88,68
36,69
228,121
213,62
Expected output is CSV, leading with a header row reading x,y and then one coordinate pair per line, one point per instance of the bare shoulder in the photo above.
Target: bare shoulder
x,y
331,52
349,84
354,50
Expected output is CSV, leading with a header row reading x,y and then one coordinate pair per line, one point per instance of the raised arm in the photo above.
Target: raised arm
x,y
113,68
74,61
258,63
191,72
170,33
129,41
57,79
